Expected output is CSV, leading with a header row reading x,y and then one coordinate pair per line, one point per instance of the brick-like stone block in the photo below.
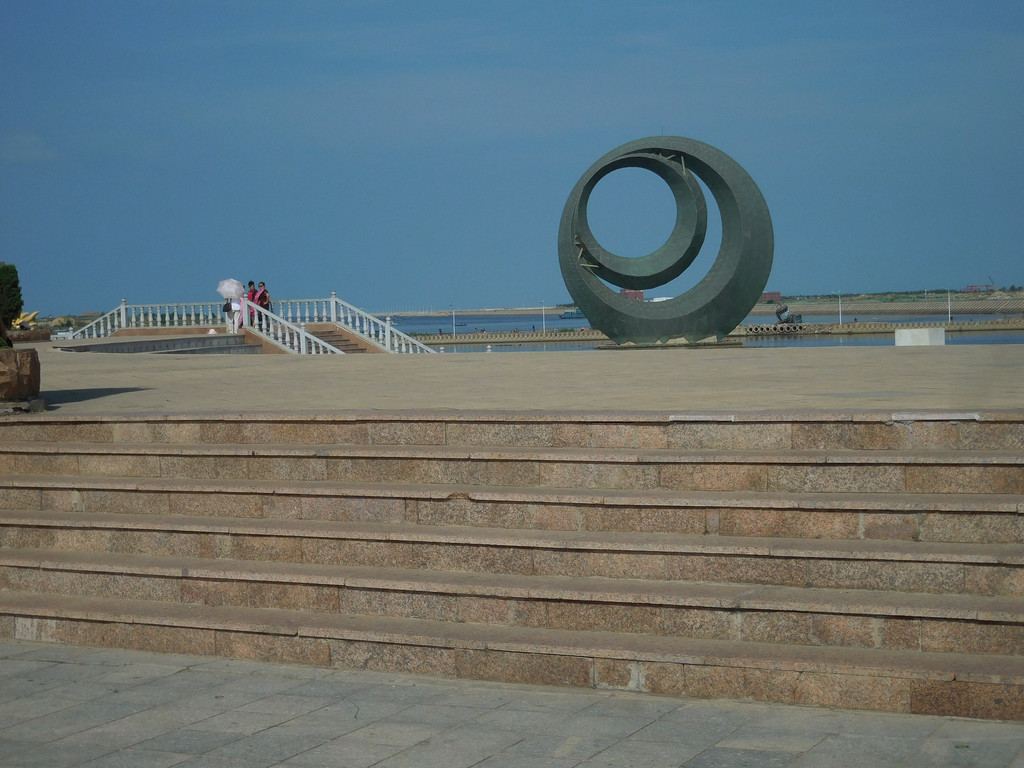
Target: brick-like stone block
x,y
818,478
776,627
715,477
644,519
529,668
833,524
972,528
143,637
841,691
955,698
19,374
855,631
616,673
995,478
388,657
283,649
733,437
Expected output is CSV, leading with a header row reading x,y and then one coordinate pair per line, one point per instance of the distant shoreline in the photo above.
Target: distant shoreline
x,y
991,305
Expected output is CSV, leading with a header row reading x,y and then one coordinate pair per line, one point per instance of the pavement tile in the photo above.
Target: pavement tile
x,y
842,750
186,741
54,755
511,761
771,738
520,720
645,754
272,744
350,753
560,745
428,756
693,734
262,715
583,724
953,753
240,722
136,758
396,734
286,703
437,714
720,757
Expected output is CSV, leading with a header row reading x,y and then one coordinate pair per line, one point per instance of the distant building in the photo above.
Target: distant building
x,y
979,288
631,294
771,296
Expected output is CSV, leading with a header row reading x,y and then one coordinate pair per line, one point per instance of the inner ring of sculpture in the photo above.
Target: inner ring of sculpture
x,y
722,298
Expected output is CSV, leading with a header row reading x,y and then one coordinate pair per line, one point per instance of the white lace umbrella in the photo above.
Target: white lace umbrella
x,y
230,288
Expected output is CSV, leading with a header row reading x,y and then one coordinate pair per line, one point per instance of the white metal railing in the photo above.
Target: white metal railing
x,y
286,335
333,310
288,322
187,315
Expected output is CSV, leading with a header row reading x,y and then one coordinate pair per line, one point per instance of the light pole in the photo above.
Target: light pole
x,y
840,295
452,306
543,320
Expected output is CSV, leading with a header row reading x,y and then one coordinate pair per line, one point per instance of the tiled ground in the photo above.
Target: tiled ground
x,y
64,706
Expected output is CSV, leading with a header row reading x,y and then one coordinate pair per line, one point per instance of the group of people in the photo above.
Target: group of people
x,y
258,295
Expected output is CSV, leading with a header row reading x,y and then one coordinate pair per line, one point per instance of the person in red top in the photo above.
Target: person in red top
x,y
262,300
251,296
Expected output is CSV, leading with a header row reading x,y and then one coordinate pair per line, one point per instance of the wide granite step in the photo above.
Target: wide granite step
x,y
836,471
907,566
765,430
925,517
967,685
727,611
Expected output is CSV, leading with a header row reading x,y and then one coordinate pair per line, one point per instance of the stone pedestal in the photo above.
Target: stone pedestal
x,y
19,374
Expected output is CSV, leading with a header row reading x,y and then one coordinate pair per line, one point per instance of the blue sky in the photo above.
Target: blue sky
x,y
417,155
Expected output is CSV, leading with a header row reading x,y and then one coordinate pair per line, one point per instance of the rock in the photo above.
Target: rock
x,y
19,374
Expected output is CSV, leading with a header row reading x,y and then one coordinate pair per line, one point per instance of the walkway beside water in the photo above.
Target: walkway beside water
x,y
677,380
595,337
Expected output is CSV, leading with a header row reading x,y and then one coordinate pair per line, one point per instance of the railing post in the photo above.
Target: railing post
x,y
334,307
124,311
387,333
302,340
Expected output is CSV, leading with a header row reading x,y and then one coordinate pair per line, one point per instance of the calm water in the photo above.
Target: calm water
x,y
499,323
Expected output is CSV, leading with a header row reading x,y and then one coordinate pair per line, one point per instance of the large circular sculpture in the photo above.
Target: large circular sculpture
x,y
722,298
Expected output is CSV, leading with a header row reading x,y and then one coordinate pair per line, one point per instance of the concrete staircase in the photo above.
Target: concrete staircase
x,y
866,560
342,339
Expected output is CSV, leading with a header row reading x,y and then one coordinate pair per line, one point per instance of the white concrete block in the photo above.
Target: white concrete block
x,y
920,337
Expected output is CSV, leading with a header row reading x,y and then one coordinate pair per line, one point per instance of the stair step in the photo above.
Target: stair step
x,y
927,567
676,593
969,685
812,430
784,471
927,517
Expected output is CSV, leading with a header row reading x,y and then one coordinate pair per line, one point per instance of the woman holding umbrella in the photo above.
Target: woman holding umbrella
x,y
232,290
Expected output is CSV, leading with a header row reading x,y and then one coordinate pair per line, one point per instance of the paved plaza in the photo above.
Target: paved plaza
x,y
103,708
953,377
75,706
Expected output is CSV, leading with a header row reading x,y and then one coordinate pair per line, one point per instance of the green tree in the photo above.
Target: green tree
x,y
11,302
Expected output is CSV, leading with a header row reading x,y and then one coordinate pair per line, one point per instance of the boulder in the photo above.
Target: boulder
x,y
19,374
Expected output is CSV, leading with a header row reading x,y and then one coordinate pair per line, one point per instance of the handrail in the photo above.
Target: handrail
x,y
289,322
286,335
380,333
162,315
